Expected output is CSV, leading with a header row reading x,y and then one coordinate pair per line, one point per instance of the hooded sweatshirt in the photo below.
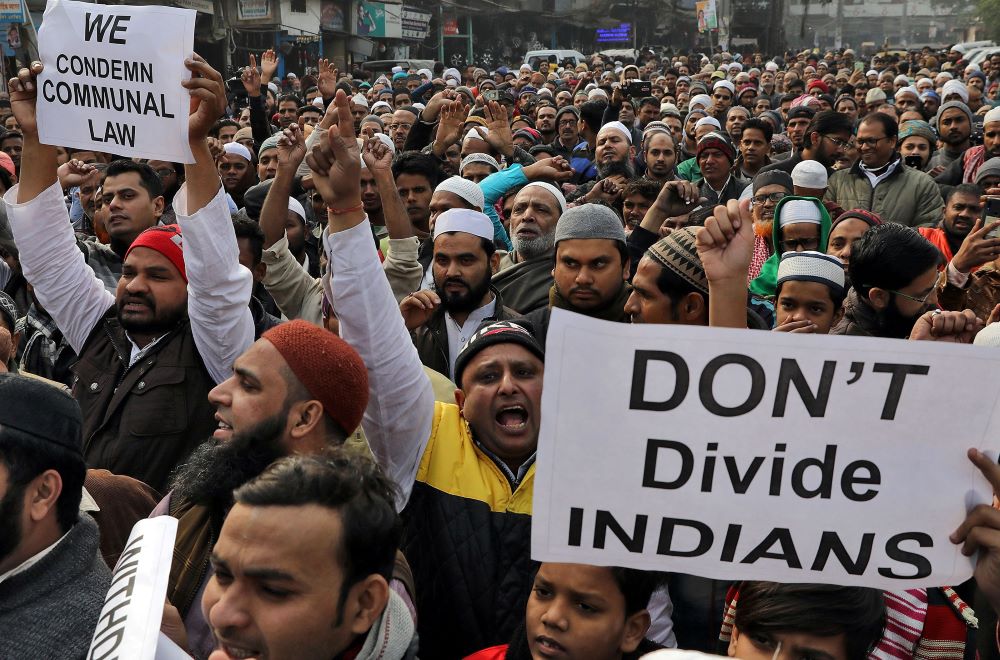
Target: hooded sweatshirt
x,y
766,283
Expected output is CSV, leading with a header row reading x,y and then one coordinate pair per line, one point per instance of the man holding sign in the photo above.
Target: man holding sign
x,y
149,354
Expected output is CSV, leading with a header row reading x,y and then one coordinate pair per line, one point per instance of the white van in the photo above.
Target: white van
x,y
533,57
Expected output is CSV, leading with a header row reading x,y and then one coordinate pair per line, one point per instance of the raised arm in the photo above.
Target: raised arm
x,y
50,258
274,213
219,287
725,245
401,404
260,123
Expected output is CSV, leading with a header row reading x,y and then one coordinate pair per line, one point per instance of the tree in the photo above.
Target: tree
x,y
990,8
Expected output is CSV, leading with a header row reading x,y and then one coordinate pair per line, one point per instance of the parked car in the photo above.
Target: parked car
x,y
557,57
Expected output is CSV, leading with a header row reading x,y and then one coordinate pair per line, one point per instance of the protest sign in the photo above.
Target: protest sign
x,y
112,79
733,454
129,626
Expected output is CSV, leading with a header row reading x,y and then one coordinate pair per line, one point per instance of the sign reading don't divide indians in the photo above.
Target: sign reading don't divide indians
x,y
748,455
112,78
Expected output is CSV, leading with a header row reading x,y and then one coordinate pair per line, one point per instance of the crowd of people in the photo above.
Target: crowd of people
x,y
321,345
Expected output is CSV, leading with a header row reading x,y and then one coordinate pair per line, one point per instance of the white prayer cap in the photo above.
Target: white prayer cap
x,y
525,67
419,106
704,100
799,210
318,102
871,72
723,67
955,87
708,121
771,66
988,336
617,126
476,133
464,220
726,84
274,88
479,158
238,149
735,66
597,92
379,105
359,99
555,192
909,89
809,266
295,206
809,174
467,190
901,79
453,74
992,116
972,67
397,69
425,73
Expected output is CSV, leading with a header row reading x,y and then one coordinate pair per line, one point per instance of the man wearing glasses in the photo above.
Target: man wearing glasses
x,y
827,135
722,99
882,183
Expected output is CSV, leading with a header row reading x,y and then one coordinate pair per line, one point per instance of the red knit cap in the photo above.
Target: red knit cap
x,y
329,368
165,239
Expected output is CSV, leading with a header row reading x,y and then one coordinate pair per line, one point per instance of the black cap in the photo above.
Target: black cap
x,y
800,111
38,412
496,332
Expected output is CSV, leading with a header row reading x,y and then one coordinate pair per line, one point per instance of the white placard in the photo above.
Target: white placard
x,y
112,79
129,626
750,455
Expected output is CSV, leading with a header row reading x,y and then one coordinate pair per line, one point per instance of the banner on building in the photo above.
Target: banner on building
x,y
740,455
104,89
11,11
378,20
254,10
331,15
707,19
416,23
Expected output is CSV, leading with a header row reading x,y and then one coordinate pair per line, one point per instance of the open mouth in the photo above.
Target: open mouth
x,y
238,653
549,646
512,419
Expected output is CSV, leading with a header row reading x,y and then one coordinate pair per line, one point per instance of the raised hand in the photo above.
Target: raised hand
x,y
437,102
268,65
449,131
500,137
977,248
980,532
251,77
208,97
326,79
377,156
948,327
725,243
291,148
555,168
74,173
418,308
23,94
677,198
336,160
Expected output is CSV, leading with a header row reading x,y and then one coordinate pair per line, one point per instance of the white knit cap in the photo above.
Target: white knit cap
x,y
359,99
463,220
812,266
724,83
871,72
704,100
617,126
597,92
318,102
397,69
425,73
238,149
708,121
992,116
809,174
295,206
771,66
475,134
465,189
988,336
479,158
552,190
955,87
901,78
453,74
909,89
798,210
678,654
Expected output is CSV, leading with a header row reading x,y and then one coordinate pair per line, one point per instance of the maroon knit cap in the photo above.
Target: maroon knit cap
x,y
327,366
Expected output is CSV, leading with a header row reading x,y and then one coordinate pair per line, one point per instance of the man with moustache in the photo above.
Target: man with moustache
x,y
962,209
442,320
768,188
614,156
150,353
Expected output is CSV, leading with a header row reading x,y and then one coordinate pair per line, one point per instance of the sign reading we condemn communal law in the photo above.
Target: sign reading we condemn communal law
x,y
112,79
743,455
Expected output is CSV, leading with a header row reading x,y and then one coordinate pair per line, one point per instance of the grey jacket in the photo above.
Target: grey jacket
x,y
907,197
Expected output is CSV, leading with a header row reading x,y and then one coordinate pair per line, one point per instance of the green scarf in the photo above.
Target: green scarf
x,y
613,311
765,284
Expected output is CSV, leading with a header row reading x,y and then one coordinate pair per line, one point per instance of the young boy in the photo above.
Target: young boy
x,y
810,292
582,612
800,223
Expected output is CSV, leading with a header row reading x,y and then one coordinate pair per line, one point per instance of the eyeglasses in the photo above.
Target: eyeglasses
x,y
843,144
165,171
395,127
930,294
793,244
770,197
869,142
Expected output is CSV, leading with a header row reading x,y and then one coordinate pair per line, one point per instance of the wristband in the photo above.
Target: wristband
x,y
345,211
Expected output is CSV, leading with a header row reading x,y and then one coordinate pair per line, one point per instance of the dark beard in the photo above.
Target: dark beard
x,y
623,167
218,467
893,324
156,325
466,302
11,510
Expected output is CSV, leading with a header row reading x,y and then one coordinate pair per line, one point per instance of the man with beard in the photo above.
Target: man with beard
x,y
669,285
659,152
614,153
52,577
954,127
961,211
895,274
150,353
525,273
768,189
236,170
591,268
715,158
823,139
545,123
442,320
298,390
965,169
567,131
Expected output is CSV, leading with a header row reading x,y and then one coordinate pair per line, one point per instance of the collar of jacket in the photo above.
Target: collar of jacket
x,y
856,167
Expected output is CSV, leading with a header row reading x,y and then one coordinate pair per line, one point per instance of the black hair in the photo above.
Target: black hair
x,y
675,287
412,110
857,613
309,107
830,121
250,230
310,90
648,189
761,125
222,123
289,97
889,124
965,189
890,256
25,459
649,100
353,486
836,298
592,112
148,177
415,162
6,135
